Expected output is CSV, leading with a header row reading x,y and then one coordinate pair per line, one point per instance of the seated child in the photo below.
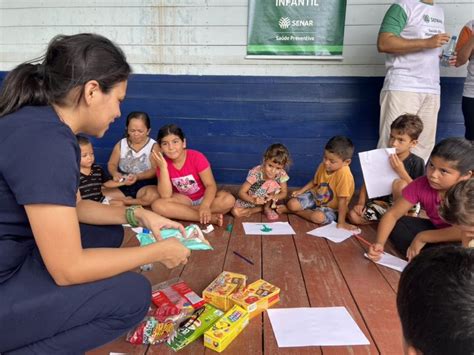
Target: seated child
x,y
265,184
93,182
404,133
451,162
435,301
186,185
457,209
326,198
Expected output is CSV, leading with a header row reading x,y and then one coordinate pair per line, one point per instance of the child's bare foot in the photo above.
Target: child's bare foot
x,y
217,219
281,209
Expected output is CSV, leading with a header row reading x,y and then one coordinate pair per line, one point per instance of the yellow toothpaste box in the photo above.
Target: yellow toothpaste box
x,y
226,329
219,291
257,297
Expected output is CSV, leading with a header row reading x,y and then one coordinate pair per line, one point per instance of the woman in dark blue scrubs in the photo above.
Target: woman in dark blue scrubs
x,y
64,285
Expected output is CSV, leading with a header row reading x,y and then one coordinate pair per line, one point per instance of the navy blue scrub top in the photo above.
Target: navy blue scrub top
x,y
39,164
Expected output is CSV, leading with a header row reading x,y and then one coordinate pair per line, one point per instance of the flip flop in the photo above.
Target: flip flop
x,y
271,215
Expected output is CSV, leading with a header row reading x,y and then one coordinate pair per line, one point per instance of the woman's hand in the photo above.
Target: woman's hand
x,y
117,177
130,179
173,252
204,214
155,222
375,251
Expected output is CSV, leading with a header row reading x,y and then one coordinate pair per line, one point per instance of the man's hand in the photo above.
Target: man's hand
x,y
437,41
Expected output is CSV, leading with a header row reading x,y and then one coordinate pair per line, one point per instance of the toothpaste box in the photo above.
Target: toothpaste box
x,y
226,329
219,291
257,297
194,327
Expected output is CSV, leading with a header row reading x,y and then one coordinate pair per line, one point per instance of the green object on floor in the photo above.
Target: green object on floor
x,y
229,227
266,228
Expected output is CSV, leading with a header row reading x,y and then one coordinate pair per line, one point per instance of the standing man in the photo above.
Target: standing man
x,y
412,34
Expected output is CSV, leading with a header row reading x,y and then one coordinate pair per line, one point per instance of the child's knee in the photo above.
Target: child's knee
x,y
318,217
294,205
227,200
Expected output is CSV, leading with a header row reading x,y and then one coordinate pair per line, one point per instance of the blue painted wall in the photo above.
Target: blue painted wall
x,y
232,119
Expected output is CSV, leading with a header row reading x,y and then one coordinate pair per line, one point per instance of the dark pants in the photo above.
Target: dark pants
x,y
468,112
133,189
406,230
37,316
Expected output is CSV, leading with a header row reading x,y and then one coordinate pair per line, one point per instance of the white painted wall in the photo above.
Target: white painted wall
x,y
198,37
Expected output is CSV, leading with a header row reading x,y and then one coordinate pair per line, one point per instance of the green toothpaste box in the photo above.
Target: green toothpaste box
x,y
194,327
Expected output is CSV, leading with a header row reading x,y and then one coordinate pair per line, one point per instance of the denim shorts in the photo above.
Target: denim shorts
x,y
197,202
308,202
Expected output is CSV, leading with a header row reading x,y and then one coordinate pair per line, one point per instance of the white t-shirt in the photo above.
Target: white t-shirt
x,y
416,71
132,162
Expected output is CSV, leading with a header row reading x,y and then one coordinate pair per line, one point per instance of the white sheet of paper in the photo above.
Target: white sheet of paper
x,y
391,261
324,326
377,171
331,232
277,228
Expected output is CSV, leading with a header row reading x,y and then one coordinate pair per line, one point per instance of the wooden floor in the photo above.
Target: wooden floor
x,y
310,271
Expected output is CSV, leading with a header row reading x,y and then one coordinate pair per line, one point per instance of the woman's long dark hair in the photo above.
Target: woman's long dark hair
x,y
69,63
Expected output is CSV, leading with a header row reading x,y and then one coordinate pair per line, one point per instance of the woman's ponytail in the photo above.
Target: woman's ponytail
x,y
22,86
69,63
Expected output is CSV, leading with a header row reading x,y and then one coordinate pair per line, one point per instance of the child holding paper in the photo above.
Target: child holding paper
x,y
404,133
451,162
326,197
458,209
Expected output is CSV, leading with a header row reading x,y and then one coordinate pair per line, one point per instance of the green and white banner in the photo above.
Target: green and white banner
x,y
296,28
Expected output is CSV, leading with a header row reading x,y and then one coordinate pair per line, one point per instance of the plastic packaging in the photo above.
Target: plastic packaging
x,y
145,238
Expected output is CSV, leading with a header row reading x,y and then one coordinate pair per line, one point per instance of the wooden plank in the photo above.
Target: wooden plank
x,y
325,284
282,269
201,269
250,340
373,295
369,233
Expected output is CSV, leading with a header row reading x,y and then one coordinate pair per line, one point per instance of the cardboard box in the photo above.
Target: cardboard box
x,y
219,291
257,297
226,329
194,327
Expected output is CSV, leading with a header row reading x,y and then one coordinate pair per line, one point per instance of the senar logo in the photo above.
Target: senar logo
x,y
284,22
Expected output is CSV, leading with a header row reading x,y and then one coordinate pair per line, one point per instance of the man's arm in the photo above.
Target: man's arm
x,y
391,43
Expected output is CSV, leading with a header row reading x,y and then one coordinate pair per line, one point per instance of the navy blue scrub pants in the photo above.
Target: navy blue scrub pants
x,y
37,316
